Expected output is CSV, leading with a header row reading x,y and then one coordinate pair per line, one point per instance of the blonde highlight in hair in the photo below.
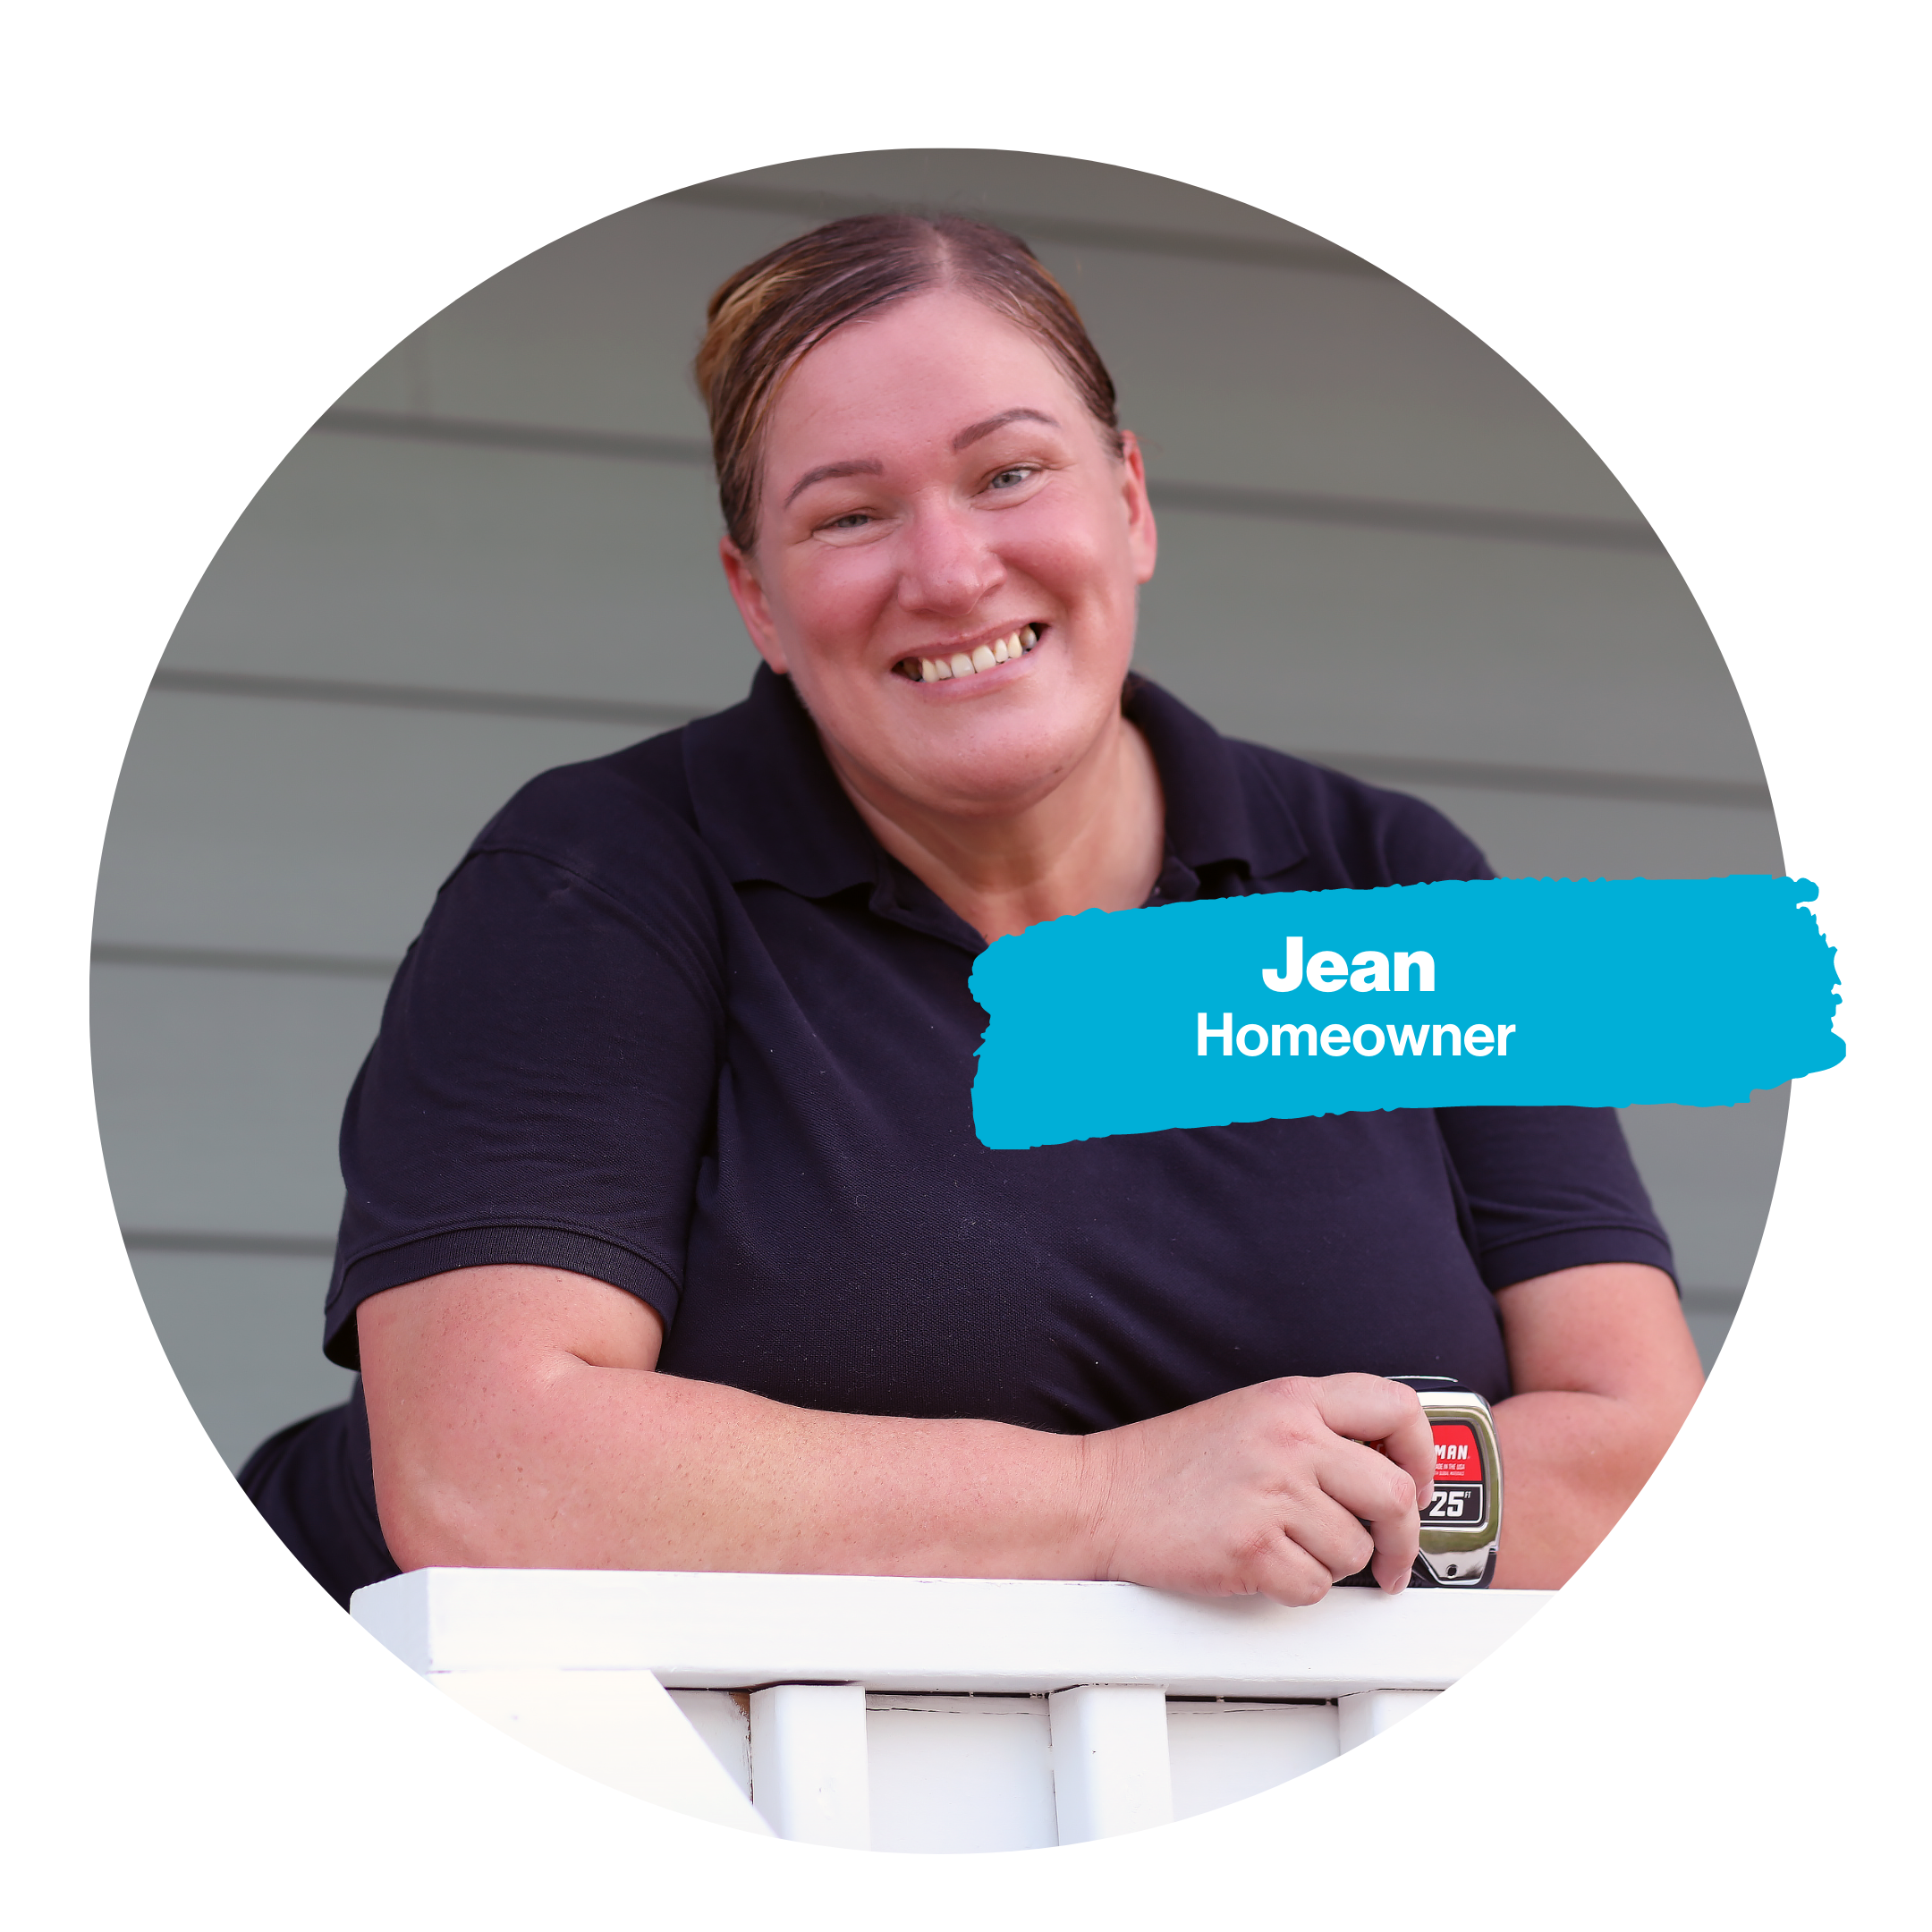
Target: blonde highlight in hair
x,y
765,319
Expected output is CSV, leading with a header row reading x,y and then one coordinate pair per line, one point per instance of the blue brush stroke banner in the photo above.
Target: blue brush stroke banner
x,y
1463,993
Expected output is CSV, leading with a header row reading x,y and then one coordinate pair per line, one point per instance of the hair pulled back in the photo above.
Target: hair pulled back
x,y
769,316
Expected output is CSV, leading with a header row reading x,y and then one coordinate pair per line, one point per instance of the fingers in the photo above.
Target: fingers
x,y
1289,1573
1370,1408
1395,1553
1283,1488
1383,1487
1359,1488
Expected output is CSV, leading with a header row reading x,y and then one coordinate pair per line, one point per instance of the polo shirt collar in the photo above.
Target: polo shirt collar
x,y
768,804
767,801
1221,814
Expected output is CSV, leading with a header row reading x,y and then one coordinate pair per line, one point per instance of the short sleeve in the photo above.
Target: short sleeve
x,y
1542,1188
1550,1188
542,1088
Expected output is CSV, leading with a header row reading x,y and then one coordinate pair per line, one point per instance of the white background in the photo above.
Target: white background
x,y
1695,228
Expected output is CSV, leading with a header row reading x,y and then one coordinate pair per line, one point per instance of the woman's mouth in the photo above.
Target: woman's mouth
x,y
970,664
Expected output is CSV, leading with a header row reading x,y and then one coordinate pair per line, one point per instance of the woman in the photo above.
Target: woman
x,y
668,1243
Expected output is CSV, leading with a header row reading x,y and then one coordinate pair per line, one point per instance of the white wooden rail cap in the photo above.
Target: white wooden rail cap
x,y
934,1634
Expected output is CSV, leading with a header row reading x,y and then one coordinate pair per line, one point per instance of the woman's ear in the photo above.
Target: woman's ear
x,y
1143,541
740,576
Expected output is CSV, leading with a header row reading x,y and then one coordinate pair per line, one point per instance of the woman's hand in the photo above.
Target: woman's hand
x,y
1265,1491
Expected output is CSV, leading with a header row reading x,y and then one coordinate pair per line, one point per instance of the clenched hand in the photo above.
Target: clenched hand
x,y
1265,1491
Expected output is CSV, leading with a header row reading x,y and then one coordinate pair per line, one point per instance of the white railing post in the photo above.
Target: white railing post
x,y
810,1780
1110,1765
1366,1714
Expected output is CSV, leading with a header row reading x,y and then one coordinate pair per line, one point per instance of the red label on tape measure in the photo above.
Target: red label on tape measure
x,y
1458,1454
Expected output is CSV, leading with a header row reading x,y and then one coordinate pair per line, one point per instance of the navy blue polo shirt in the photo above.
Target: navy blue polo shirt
x,y
678,1023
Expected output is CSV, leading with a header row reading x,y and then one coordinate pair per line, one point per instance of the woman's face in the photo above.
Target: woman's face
x,y
933,489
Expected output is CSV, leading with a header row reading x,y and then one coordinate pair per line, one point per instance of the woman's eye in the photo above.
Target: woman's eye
x,y
851,520
1010,478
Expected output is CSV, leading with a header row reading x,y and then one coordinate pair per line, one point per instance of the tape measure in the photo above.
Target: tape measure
x,y
1463,1526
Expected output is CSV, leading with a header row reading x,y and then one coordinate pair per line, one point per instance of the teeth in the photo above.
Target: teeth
x,y
986,658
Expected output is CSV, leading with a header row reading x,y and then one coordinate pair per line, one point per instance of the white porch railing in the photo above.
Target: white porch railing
x,y
927,1714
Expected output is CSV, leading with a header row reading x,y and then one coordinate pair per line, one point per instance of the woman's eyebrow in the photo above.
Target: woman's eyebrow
x,y
979,430
870,466
824,473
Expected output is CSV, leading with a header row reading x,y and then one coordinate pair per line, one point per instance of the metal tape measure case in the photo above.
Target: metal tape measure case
x,y
1461,1527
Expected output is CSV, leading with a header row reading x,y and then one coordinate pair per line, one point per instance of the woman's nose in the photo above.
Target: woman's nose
x,y
948,566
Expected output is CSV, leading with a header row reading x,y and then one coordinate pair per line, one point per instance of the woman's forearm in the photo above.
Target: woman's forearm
x,y
1571,1464
598,1467
517,1421
1607,1372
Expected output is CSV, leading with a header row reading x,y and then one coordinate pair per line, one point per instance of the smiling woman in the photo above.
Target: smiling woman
x,y
668,1243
